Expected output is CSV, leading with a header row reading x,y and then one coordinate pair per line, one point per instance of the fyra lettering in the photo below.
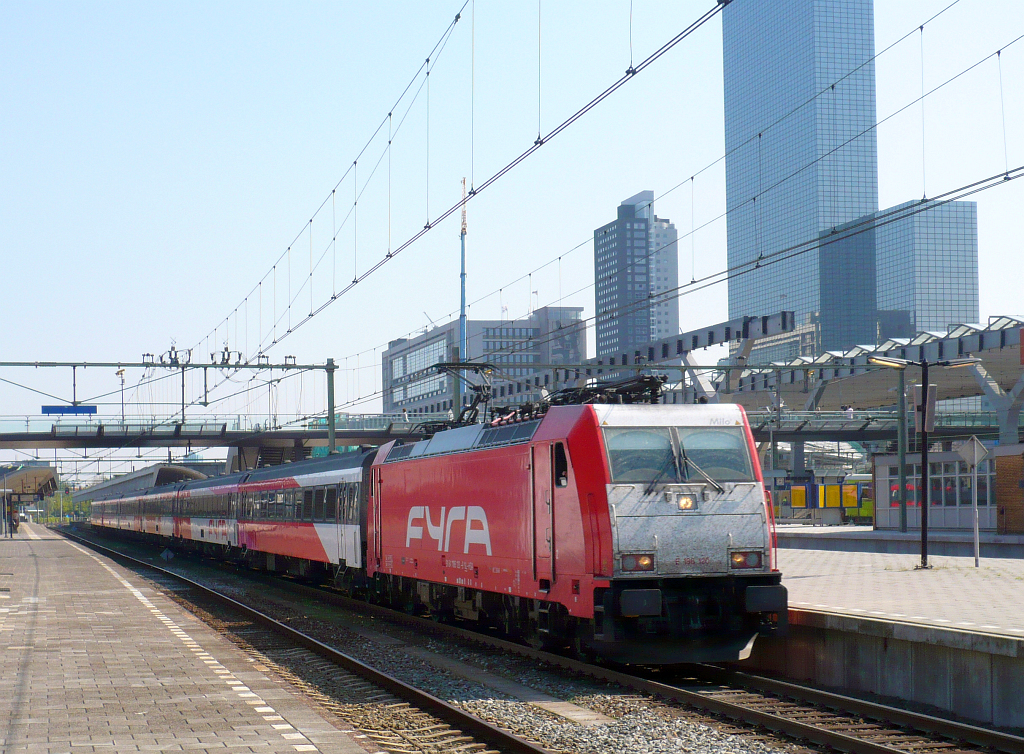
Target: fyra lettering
x,y
441,532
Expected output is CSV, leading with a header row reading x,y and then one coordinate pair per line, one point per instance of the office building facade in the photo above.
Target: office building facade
x,y
550,335
797,165
927,268
635,260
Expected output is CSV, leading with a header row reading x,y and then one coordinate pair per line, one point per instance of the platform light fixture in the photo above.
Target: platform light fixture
x,y
900,366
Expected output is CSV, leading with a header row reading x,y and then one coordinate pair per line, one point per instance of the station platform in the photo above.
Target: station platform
x,y
950,637
884,586
866,539
92,658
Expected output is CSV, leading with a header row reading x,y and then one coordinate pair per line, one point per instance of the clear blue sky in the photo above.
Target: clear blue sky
x,y
158,158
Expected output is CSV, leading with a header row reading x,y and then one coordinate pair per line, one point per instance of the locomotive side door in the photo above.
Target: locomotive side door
x,y
375,505
543,520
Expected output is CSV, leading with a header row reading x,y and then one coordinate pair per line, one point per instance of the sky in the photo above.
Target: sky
x,y
160,160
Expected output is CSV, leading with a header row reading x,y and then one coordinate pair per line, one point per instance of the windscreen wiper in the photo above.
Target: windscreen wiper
x,y
698,469
671,460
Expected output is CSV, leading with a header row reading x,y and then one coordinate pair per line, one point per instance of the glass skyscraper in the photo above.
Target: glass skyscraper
x,y
927,268
635,257
797,165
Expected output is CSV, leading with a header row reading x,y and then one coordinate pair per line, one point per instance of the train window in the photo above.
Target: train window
x,y
318,504
668,455
331,506
640,454
721,453
307,505
560,467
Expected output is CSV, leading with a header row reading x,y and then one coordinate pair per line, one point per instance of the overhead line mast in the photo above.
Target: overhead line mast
x,y
463,351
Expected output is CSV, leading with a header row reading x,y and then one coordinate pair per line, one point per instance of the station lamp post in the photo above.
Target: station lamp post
x,y
925,423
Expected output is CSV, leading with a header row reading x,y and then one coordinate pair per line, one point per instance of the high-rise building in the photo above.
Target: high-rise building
x,y
635,258
664,275
550,335
927,268
802,187
796,165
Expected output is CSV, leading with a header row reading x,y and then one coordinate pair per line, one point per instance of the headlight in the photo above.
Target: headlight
x,y
686,503
637,563
746,559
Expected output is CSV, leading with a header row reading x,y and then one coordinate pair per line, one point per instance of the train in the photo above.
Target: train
x,y
633,533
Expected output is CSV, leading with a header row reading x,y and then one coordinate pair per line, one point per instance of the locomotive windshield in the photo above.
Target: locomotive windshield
x,y
670,455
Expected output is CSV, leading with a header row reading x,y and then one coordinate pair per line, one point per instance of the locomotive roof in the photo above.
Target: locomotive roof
x,y
466,438
679,415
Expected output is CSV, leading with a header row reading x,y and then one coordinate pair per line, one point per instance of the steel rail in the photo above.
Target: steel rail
x,y
465,721
916,722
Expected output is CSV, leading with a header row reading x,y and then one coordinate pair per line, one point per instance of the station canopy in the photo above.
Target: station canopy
x,y
24,482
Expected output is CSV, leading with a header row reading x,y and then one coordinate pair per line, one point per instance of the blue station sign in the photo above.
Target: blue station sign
x,y
80,410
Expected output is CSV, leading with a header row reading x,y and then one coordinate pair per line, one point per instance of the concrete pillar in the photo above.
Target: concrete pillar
x,y
798,456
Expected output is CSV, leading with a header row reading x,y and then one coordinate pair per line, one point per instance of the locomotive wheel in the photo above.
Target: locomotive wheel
x,y
579,646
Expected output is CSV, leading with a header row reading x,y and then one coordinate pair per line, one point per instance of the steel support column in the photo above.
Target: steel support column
x,y
331,419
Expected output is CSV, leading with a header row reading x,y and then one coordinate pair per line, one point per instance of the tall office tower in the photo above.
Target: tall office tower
x,y
664,275
927,268
634,259
797,165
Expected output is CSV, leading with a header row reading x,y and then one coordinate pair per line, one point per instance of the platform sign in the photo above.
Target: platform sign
x,y
924,416
973,453
79,410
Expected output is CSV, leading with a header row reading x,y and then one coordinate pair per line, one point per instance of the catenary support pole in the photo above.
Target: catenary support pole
x,y
977,537
925,481
331,428
901,447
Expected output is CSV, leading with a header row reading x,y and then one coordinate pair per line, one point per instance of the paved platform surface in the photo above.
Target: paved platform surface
x,y
94,659
867,539
952,594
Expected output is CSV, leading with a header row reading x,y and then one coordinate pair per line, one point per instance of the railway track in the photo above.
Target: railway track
x,y
799,713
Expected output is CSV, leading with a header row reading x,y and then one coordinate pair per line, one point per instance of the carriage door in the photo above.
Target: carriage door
x,y
543,514
375,506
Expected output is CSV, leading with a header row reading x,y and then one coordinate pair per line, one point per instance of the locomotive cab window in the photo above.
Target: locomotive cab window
x,y
669,455
641,454
721,453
